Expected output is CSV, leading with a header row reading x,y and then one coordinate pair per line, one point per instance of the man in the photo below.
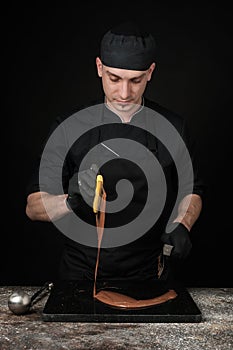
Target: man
x,y
155,135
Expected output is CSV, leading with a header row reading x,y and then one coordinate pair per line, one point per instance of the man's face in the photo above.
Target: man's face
x,y
123,88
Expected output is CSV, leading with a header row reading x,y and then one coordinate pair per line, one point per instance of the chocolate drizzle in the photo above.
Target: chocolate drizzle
x,y
114,299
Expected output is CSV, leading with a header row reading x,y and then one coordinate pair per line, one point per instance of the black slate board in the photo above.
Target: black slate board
x,y
72,301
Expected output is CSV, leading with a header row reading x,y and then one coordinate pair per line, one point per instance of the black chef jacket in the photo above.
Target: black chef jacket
x,y
137,259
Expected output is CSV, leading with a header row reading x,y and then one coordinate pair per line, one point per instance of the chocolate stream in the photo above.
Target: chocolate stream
x,y
114,299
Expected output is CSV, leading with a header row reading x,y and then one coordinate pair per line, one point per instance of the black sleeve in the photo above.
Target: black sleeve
x,y
50,163
198,183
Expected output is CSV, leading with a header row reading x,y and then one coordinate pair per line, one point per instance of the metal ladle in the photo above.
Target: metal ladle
x,y
20,302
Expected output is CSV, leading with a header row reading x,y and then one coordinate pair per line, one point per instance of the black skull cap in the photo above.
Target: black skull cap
x,y
128,46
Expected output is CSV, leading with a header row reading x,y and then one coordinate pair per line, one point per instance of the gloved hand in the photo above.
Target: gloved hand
x,y
179,239
82,184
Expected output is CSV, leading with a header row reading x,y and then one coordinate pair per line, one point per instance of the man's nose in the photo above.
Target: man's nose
x,y
125,90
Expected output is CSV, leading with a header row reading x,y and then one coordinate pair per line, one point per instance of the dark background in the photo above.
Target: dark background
x,y
48,68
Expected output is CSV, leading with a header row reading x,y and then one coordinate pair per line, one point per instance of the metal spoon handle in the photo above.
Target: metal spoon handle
x,y
47,286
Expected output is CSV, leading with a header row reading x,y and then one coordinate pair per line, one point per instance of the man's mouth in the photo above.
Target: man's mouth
x,y
124,101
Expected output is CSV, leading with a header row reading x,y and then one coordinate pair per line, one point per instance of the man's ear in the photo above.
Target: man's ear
x,y
99,66
150,71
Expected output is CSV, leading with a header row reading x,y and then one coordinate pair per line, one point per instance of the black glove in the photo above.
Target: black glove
x,y
179,239
82,184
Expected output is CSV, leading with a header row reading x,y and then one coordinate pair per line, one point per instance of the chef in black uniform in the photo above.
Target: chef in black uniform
x,y
120,133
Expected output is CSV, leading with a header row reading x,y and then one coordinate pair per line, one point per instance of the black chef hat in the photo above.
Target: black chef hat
x,y
128,47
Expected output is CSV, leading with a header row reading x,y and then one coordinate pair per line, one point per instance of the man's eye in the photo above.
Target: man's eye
x,y
136,81
114,80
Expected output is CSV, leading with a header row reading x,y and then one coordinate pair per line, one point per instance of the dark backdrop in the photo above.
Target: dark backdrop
x,y
48,68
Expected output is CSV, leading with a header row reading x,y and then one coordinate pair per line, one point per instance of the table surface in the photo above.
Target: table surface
x,y
29,331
